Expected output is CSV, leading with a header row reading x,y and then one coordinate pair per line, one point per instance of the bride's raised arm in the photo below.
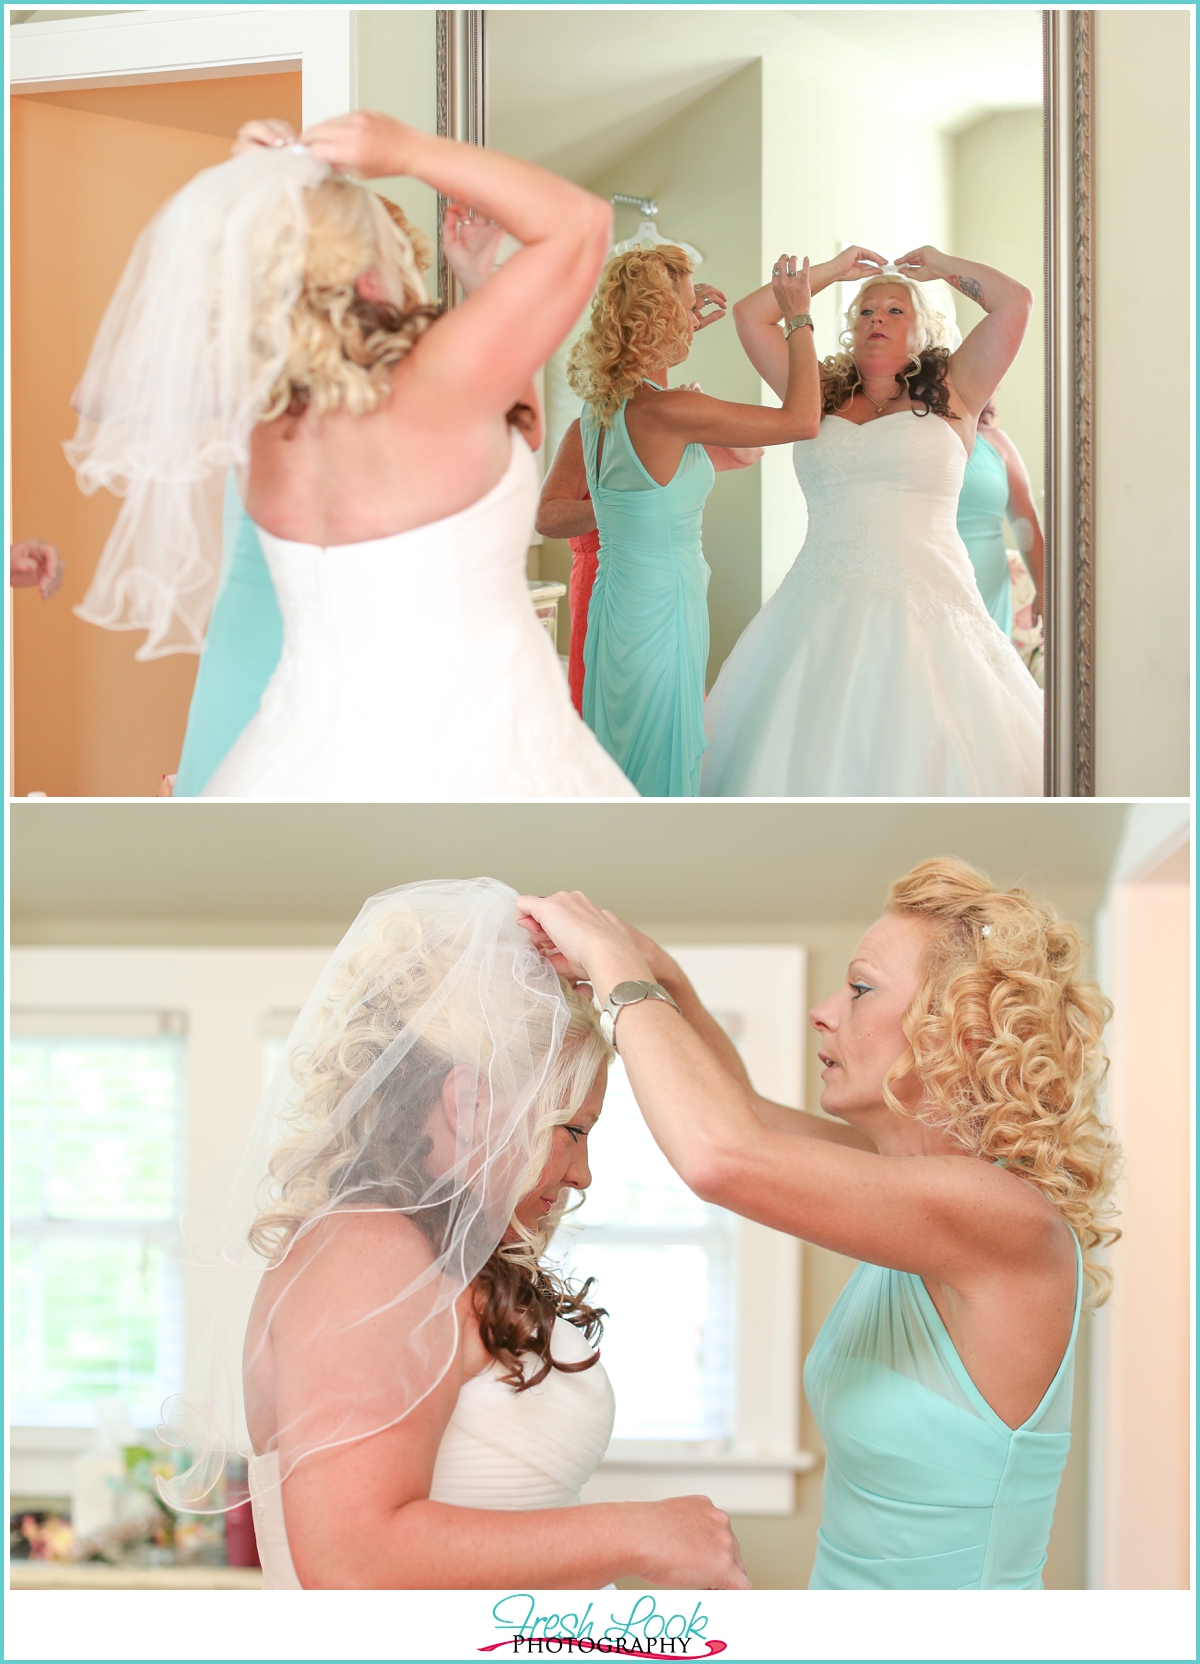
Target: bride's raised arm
x,y
978,366
481,355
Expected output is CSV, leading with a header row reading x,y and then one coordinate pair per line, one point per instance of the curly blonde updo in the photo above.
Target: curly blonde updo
x,y
638,323
1005,1036
343,346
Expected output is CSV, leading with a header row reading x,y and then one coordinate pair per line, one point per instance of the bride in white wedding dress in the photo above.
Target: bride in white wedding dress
x,y
874,670
272,318
421,1399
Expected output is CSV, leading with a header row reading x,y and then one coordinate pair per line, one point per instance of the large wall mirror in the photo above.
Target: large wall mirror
x,y
748,132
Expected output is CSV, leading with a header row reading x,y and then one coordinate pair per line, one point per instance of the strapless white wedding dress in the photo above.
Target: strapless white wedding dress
x,y
414,669
501,1449
874,670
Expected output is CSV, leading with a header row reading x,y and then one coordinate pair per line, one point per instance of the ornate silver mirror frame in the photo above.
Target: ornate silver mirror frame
x,y
461,104
1069,522
1070,525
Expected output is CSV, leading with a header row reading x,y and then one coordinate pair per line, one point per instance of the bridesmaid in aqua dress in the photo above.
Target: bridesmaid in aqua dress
x,y
961,1160
994,485
241,649
648,455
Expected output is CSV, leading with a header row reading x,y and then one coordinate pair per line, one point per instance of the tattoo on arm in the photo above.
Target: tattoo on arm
x,y
967,286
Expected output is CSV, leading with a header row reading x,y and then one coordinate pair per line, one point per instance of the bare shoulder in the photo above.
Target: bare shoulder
x,y
376,1243
650,408
1000,1209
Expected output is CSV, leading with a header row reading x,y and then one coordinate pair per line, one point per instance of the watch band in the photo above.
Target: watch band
x,y
800,321
628,993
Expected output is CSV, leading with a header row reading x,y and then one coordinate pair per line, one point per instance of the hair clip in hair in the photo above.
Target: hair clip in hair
x,y
986,931
298,149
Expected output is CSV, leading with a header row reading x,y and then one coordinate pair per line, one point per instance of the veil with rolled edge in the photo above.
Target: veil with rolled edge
x,y
186,354
416,1084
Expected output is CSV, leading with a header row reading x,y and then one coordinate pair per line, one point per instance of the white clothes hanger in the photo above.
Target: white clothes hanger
x,y
647,234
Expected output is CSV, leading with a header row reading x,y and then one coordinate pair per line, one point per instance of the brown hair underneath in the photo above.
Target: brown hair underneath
x,y
516,1305
925,386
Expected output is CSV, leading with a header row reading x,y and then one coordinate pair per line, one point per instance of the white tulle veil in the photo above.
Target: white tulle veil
x,y
434,983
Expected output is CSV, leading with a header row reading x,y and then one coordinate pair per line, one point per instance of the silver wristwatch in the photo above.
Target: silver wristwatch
x,y
628,993
800,321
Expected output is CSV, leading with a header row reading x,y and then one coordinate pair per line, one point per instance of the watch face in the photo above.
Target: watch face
x,y
625,993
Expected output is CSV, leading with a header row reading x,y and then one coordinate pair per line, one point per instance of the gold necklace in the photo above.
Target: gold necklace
x,y
878,408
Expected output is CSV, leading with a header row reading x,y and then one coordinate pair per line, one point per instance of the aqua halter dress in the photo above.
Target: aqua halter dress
x,y
646,649
982,505
241,649
925,1486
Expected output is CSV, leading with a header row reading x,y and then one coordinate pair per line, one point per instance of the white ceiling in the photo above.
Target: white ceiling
x,y
576,88
299,872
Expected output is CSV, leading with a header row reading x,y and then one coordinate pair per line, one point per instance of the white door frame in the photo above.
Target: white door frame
x,y
184,43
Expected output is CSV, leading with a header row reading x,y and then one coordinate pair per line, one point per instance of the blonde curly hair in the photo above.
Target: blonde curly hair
x,y
637,323
1005,1036
343,346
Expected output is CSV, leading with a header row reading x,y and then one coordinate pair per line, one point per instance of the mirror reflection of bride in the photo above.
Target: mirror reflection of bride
x,y
273,319
874,670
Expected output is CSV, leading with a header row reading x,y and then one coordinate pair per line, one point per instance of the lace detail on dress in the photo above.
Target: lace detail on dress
x,y
874,670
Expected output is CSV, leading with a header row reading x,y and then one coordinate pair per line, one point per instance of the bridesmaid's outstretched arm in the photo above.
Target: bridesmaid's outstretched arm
x,y
757,317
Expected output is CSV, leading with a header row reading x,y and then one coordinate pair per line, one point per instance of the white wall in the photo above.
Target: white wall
x,y
1144,299
395,58
1141,1420
997,218
833,174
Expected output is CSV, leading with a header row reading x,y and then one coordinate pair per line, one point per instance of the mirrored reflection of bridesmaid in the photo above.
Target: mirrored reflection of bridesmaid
x,y
647,456
995,486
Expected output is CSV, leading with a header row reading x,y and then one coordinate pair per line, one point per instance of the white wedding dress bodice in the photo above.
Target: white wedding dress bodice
x,y
414,669
874,670
501,1449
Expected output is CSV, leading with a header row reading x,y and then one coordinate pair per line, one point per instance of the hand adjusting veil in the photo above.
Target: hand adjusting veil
x,y
419,1083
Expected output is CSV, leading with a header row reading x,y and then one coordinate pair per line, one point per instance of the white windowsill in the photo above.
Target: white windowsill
x,y
740,1483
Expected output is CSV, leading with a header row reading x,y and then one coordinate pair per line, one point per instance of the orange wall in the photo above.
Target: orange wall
x,y
219,106
88,719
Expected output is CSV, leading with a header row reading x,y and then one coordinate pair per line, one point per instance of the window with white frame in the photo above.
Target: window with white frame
x,y
121,1055
96,1124
702,1337
665,1270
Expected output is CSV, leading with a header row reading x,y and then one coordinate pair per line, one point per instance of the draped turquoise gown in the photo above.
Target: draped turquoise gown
x,y
925,1486
982,504
647,636
241,649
